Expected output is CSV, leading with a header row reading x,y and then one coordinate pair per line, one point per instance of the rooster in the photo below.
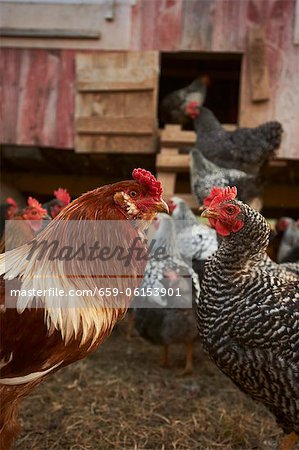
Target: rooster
x,y
245,149
173,106
61,200
23,226
41,334
248,317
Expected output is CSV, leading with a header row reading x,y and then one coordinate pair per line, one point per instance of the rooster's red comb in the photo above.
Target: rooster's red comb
x,y
63,196
11,201
149,181
33,203
219,195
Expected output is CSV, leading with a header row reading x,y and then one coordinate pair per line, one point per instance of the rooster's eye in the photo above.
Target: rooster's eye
x,y
133,194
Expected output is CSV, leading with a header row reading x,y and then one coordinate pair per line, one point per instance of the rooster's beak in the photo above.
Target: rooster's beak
x,y
161,207
209,213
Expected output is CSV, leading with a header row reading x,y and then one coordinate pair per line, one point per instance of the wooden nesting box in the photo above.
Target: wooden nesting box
x,y
116,102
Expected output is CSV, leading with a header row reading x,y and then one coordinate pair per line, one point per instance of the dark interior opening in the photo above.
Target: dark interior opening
x,y
224,69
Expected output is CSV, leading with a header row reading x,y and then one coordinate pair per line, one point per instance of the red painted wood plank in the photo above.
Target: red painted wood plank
x,y
66,101
48,129
32,93
10,70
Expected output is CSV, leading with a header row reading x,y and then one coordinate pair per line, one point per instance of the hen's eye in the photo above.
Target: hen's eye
x,y
230,210
133,194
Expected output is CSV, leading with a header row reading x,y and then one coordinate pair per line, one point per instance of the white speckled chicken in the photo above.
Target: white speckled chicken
x,y
195,240
161,318
205,174
248,318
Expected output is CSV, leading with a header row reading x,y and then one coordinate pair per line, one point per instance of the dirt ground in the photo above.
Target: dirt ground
x,y
120,398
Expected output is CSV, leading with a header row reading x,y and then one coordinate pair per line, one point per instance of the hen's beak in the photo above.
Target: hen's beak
x,y
209,213
161,207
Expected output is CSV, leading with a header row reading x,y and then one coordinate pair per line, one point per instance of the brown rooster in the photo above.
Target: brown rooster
x,y
41,334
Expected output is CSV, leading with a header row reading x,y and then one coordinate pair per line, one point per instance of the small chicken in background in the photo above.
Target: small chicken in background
x,y
7,212
289,241
173,106
248,317
38,339
61,200
23,226
245,149
168,319
205,174
195,241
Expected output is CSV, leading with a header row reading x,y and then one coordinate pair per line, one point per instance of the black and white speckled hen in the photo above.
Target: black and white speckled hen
x,y
247,318
161,318
245,149
195,240
173,106
205,174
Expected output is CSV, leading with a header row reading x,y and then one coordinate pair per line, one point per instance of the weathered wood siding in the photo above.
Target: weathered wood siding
x,y
38,92
37,97
116,102
223,26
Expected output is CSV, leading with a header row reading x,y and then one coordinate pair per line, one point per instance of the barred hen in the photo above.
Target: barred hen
x,y
289,271
245,149
173,106
248,318
163,310
65,314
205,174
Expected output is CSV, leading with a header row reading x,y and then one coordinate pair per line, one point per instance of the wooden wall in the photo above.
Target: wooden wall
x,y
164,25
223,26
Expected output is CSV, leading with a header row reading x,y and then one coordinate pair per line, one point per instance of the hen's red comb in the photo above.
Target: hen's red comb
x,y
214,192
33,203
63,196
222,194
11,201
149,181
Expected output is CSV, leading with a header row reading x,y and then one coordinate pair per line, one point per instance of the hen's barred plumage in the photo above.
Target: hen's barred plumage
x,y
248,319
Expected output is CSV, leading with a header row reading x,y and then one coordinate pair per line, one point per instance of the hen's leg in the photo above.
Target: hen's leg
x,y
165,359
289,441
189,358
